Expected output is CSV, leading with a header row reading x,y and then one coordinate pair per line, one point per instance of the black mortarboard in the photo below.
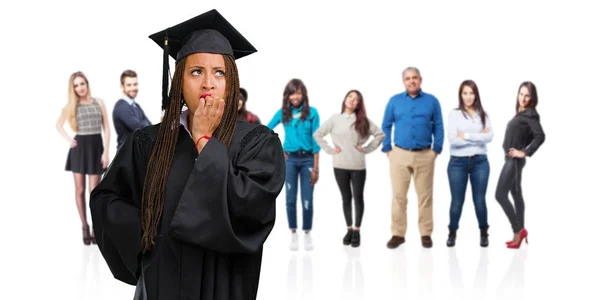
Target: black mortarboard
x,y
209,32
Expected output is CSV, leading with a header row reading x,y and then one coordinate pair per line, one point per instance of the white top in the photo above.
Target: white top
x,y
343,135
475,141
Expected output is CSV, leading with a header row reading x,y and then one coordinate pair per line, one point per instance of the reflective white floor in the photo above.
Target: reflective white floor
x,y
47,258
331,271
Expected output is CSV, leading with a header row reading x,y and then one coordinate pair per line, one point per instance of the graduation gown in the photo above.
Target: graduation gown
x,y
218,211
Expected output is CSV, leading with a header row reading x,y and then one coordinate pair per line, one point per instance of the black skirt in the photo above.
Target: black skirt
x,y
86,157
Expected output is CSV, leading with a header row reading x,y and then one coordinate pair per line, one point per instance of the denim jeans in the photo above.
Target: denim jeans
x,y
299,165
460,170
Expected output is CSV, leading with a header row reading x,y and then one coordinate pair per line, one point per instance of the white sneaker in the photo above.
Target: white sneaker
x,y
308,242
294,242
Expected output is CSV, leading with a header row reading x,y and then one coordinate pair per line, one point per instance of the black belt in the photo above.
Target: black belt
x,y
468,156
299,152
414,149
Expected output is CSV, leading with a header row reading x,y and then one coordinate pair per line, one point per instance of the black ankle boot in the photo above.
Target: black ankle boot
x,y
355,238
451,238
484,238
348,237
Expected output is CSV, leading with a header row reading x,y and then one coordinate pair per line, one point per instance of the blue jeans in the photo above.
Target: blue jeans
x,y
460,170
302,165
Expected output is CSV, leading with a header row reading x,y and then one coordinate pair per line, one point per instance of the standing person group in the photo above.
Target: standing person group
x,y
414,117
418,140
412,134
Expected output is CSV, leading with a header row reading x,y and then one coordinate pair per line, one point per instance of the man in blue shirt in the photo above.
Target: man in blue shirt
x,y
418,139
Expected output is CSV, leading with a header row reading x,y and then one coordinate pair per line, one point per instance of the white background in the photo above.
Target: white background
x,y
333,47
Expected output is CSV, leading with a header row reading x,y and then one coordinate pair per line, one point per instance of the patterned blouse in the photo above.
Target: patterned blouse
x,y
89,118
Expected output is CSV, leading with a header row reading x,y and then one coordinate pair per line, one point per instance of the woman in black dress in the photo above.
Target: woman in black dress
x,y
524,135
88,155
186,205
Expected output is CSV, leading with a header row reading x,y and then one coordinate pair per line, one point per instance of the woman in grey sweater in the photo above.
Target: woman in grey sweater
x,y
349,131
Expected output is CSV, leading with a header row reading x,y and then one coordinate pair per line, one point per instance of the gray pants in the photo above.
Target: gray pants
x,y
510,181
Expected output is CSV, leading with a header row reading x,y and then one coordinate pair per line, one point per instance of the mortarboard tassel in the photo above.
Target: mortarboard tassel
x,y
165,79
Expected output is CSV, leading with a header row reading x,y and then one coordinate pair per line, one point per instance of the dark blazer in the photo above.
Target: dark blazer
x,y
127,118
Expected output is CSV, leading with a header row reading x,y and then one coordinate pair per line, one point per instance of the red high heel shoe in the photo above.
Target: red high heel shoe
x,y
517,245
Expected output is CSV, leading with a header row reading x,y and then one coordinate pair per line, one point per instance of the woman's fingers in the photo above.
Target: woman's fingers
x,y
221,107
210,106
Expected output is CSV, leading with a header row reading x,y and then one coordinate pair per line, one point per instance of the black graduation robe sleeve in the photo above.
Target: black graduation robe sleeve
x,y
228,205
114,206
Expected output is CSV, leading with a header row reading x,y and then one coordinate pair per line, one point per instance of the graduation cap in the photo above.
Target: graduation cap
x,y
209,32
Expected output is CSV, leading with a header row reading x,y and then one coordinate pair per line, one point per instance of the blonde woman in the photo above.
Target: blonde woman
x,y
88,155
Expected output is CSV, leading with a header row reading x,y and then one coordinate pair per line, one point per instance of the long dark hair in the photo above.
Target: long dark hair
x,y
160,161
290,88
361,125
476,103
533,96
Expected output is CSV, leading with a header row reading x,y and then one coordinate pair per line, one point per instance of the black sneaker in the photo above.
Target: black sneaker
x,y
355,238
348,237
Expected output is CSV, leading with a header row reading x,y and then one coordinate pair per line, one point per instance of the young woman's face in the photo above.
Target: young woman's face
x,y
296,98
468,96
204,73
524,97
351,101
80,87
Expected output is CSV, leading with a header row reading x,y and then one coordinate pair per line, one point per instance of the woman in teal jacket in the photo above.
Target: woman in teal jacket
x,y
300,121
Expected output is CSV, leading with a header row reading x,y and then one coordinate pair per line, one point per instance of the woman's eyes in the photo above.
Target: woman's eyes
x,y
199,72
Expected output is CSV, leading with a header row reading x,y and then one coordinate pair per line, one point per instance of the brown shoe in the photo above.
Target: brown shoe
x,y
426,241
395,241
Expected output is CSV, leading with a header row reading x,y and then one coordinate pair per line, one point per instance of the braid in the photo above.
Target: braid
x,y
159,166
224,131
